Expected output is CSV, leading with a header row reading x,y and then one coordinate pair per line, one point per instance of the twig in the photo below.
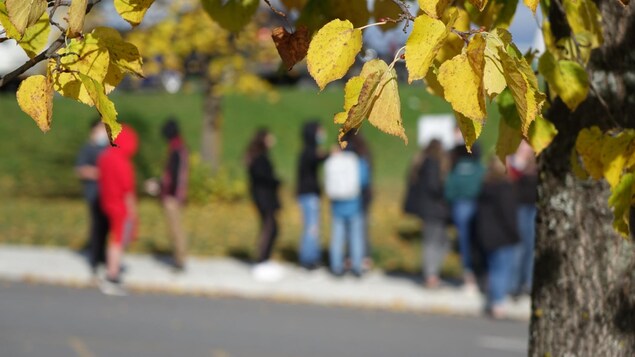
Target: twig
x,y
2,39
277,12
405,14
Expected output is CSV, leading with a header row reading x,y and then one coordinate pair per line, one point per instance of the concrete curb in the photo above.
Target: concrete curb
x,y
231,278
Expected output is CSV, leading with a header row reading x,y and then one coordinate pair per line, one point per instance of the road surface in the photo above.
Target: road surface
x,y
49,321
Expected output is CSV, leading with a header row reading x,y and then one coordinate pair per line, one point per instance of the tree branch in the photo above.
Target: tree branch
x,y
405,13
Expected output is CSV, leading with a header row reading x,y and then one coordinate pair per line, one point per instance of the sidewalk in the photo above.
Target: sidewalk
x,y
229,277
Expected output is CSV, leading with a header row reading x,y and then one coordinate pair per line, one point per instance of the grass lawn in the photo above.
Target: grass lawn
x,y
37,183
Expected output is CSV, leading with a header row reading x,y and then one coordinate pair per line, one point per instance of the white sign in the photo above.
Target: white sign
x,y
436,126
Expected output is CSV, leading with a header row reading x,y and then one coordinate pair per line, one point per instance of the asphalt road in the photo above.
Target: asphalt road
x,y
47,321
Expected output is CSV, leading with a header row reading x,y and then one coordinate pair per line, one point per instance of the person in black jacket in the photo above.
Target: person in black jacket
x,y
428,202
309,193
264,190
497,232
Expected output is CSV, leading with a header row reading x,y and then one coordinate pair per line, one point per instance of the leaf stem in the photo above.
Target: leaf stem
x,y
373,24
397,57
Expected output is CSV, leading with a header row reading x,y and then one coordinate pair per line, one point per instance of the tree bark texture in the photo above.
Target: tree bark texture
x,y
583,298
211,133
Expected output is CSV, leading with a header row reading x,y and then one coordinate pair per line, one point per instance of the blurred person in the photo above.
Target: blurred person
x,y
118,200
264,186
346,174
427,175
462,188
174,189
523,168
87,171
360,147
497,233
308,191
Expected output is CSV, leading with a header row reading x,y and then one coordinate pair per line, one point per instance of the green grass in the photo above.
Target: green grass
x,y
36,176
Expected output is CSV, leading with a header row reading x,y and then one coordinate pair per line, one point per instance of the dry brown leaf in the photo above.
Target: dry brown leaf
x,y
292,47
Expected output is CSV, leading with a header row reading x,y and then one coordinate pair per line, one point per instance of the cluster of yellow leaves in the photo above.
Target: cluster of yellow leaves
x,y
87,68
612,157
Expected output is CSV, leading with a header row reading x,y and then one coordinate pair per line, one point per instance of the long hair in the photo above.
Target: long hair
x,y
434,151
257,146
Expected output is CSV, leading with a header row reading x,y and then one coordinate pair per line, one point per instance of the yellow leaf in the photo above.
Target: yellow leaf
x,y
471,129
523,84
123,54
462,80
453,44
104,106
232,15
11,31
509,134
493,78
427,37
358,112
620,200
532,4
80,56
434,8
351,93
496,14
479,4
386,9
332,51
36,36
35,98
76,16
386,112
614,155
584,17
588,144
541,134
566,78
432,83
576,166
24,13
132,11
378,100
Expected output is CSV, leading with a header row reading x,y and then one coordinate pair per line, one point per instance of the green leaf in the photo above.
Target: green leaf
x,y
332,51
509,133
232,15
584,17
541,134
566,78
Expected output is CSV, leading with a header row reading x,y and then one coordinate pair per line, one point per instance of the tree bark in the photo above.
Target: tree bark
x,y
211,133
583,298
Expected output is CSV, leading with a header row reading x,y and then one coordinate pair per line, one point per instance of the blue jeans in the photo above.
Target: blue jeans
x,y
463,212
525,252
351,229
500,263
310,244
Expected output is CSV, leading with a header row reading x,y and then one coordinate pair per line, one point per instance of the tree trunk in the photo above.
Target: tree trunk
x,y
211,133
583,298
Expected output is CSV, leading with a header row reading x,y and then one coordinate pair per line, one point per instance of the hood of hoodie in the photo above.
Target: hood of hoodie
x,y
127,142
309,133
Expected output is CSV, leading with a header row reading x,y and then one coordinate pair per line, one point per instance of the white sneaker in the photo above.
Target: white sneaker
x,y
111,288
267,272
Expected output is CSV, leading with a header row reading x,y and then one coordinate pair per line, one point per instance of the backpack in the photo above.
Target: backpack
x,y
342,176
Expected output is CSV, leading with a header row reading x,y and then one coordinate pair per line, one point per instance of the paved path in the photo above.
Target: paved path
x,y
50,321
227,277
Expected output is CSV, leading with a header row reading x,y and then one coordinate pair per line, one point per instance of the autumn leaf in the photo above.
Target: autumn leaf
x,y
232,15
386,9
386,112
462,80
493,77
332,51
104,106
25,13
35,98
132,11
423,44
479,4
541,134
358,112
433,8
566,78
614,155
351,93
588,144
583,17
471,129
620,201
292,47
496,14
509,133
532,4
76,16
122,54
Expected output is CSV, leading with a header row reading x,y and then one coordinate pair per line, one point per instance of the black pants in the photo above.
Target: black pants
x,y
268,234
98,234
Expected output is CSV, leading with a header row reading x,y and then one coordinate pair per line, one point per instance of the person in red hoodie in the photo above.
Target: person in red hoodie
x,y
119,203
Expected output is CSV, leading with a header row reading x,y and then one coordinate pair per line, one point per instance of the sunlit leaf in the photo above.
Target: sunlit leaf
x,y
133,11
24,13
541,134
433,8
351,94
532,4
566,78
76,16
104,106
332,51
588,145
35,98
584,17
614,155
